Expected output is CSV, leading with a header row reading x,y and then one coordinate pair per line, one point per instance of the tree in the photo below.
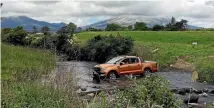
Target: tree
x,y
173,21
157,27
5,33
184,24
17,36
79,29
174,26
45,30
130,27
140,26
34,30
71,28
113,27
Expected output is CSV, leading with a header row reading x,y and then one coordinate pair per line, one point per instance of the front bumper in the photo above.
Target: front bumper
x,y
100,75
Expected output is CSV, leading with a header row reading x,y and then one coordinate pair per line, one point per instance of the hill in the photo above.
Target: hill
x,y
131,20
28,23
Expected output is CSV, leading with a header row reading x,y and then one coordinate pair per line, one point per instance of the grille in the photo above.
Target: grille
x,y
97,69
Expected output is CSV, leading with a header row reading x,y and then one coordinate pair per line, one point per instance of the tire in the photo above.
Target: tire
x,y
112,75
147,72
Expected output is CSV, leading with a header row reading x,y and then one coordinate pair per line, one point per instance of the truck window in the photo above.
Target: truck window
x,y
134,60
126,61
142,60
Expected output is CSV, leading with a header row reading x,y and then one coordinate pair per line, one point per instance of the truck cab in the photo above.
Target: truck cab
x,y
123,65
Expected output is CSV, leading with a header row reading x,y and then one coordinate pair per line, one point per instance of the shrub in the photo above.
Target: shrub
x,y
101,48
205,70
17,36
147,93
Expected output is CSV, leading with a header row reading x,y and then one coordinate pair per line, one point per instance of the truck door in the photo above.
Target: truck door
x,y
135,65
124,68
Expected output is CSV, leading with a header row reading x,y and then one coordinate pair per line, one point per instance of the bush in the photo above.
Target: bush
x,y
205,70
17,36
102,48
148,93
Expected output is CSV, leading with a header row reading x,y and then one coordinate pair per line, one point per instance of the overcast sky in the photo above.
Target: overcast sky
x,y
197,12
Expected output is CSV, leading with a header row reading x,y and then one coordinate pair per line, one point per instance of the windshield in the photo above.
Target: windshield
x,y
114,60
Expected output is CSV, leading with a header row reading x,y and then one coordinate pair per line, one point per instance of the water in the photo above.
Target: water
x,y
82,74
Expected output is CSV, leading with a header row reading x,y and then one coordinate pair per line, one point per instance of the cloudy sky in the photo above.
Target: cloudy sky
x,y
197,12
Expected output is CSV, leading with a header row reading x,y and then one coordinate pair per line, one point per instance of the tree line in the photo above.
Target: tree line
x,y
65,44
173,25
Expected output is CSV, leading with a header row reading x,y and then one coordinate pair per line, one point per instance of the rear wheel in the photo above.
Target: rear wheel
x,y
112,75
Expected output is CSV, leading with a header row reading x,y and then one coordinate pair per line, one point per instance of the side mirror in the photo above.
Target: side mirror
x,y
122,63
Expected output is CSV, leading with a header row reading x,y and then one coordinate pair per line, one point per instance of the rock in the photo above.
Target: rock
x,y
196,105
188,90
205,82
191,99
174,90
205,90
96,87
198,91
83,89
192,105
212,91
213,103
203,94
91,94
182,91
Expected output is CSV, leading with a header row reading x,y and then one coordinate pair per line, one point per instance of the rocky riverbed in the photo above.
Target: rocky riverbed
x,y
180,83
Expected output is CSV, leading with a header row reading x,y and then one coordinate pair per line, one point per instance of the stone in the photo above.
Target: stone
x,y
91,94
191,99
212,91
83,89
205,90
198,91
213,103
203,94
188,90
174,90
181,91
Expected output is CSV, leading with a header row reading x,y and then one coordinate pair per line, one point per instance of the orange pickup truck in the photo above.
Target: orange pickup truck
x,y
123,65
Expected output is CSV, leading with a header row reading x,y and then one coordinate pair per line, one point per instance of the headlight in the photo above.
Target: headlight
x,y
103,69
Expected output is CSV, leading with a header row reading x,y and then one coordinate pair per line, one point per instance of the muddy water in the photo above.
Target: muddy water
x,y
81,72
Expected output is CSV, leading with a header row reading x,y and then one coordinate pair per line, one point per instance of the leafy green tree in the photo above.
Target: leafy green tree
x,y
71,28
157,27
130,27
45,30
113,27
34,30
93,29
175,26
17,36
102,48
140,26
5,33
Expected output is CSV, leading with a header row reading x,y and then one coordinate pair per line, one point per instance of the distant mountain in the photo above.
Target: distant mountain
x,y
28,23
131,20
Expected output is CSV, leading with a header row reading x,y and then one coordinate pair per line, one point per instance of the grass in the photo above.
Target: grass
x,y
182,37
19,63
22,69
169,46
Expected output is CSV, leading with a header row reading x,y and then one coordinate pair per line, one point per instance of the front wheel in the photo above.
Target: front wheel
x,y
147,72
112,75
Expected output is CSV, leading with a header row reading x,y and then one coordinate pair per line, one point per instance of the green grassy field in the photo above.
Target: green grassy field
x,y
19,63
182,37
170,44
20,73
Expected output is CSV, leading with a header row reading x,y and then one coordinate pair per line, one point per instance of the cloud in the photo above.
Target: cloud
x,y
209,3
80,12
